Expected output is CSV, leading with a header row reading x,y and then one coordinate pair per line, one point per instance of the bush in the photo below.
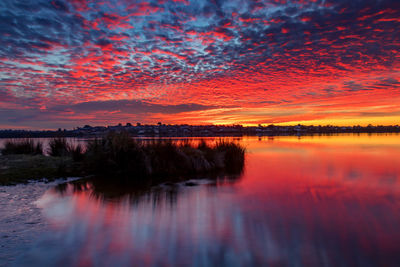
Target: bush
x,y
24,146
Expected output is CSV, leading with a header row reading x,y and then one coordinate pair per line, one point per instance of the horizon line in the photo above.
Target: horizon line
x,y
199,125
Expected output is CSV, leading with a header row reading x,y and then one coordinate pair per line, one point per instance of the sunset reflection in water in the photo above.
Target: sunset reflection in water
x,y
319,201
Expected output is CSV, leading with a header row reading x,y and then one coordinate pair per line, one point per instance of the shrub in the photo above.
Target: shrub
x,y
24,146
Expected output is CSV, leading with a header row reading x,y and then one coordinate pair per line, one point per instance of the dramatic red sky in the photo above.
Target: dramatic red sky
x,y
74,62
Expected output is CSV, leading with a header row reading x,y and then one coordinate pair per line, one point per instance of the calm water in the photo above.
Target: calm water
x,y
314,201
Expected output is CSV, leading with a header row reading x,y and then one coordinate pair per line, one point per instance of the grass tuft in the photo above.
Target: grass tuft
x,y
22,146
58,147
116,155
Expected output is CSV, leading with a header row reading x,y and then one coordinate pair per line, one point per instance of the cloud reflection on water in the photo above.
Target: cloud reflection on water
x,y
297,204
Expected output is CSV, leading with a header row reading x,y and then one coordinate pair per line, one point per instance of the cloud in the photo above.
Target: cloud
x,y
119,110
209,53
130,106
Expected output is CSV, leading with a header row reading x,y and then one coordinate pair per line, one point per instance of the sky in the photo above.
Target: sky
x,y
65,64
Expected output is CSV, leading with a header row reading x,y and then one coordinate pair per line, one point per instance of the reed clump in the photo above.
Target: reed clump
x,y
22,146
59,147
118,155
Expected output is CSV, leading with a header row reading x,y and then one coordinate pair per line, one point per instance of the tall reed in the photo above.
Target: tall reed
x,y
22,146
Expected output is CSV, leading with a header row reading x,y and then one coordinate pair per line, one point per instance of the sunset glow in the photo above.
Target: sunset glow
x,y
69,63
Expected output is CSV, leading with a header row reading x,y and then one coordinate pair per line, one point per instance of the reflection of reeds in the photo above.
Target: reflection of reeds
x,y
155,191
23,146
118,155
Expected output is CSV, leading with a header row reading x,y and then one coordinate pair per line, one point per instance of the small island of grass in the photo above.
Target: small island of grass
x,y
118,157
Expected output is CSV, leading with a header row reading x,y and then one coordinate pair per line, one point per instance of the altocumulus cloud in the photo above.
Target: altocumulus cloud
x,y
151,57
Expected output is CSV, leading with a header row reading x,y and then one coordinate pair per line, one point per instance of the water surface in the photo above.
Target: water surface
x,y
310,201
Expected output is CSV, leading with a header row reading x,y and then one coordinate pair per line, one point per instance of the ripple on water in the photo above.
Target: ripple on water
x,y
21,221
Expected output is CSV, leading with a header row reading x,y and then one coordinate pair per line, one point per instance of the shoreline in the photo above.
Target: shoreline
x,y
165,131
207,136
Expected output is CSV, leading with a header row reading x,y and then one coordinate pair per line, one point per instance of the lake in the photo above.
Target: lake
x,y
301,201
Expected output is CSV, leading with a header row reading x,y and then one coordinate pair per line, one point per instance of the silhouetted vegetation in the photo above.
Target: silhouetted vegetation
x,y
24,146
58,147
117,156
76,152
233,156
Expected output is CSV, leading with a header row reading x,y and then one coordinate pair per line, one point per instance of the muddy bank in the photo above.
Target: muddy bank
x,y
15,169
